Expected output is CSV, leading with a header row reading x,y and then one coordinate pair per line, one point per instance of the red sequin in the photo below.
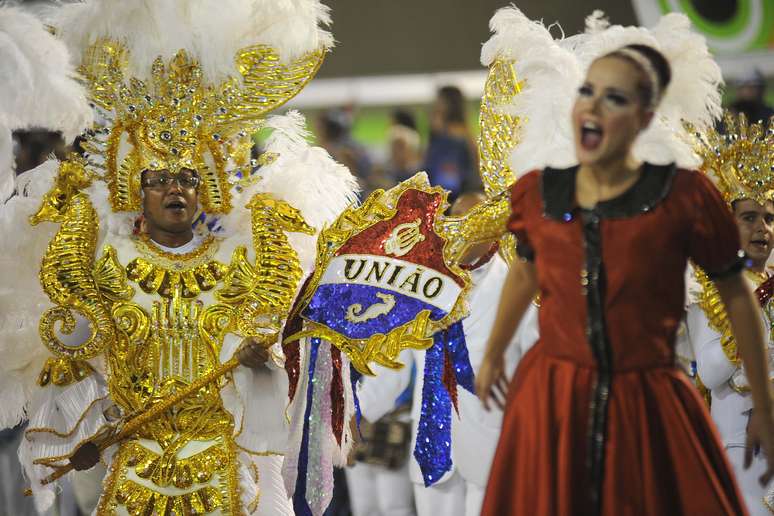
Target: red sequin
x,y
450,379
412,205
765,291
337,395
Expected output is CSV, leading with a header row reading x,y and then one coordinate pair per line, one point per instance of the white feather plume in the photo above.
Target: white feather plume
x,y
37,85
21,298
552,70
549,72
37,79
211,31
304,176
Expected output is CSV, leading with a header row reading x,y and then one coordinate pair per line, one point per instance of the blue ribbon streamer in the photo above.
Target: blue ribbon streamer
x,y
354,377
433,447
300,507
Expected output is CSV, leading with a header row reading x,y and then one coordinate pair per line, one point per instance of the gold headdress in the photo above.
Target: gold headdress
x,y
739,159
176,121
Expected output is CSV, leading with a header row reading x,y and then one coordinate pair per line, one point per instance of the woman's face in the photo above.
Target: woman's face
x,y
608,113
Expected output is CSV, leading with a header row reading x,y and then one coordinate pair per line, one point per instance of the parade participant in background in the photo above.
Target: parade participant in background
x,y
474,431
172,312
450,158
378,482
739,161
404,148
599,419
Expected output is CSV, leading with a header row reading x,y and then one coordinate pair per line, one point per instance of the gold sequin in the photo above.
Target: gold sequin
x,y
739,158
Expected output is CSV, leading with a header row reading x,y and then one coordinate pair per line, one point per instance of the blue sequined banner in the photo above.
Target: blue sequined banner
x,y
433,447
331,303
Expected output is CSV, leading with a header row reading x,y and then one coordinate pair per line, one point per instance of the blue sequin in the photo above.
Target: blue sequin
x,y
331,301
354,376
433,445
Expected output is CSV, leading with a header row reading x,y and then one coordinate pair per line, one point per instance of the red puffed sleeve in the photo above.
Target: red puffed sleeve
x,y
521,195
713,242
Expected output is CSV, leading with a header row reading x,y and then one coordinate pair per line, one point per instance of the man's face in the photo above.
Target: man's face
x,y
170,201
756,229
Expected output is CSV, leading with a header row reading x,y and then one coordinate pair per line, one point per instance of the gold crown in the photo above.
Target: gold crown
x,y
739,158
177,121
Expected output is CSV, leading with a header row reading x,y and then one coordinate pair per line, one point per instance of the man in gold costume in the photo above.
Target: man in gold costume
x,y
171,259
740,163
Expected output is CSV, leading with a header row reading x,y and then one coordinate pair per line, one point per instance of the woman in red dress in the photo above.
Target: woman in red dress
x,y
598,419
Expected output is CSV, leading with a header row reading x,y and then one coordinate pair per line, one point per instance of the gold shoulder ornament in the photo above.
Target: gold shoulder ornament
x,y
499,135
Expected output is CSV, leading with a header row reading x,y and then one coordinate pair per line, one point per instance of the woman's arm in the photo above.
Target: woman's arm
x,y
518,292
744,313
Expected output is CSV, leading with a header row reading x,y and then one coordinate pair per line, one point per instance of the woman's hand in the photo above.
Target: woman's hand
x,y
253,353
760,437
491,381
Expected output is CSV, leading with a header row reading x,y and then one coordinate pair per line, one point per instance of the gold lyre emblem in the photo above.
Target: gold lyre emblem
x,y
403,238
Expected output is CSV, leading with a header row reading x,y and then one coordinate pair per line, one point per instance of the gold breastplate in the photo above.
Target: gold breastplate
x,y
167,346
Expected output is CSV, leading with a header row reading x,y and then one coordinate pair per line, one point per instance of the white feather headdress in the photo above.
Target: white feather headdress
x,y
211,31
214,36
552,69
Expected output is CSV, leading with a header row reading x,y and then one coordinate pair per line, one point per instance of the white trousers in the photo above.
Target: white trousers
x,y
747,479
454,497
378,491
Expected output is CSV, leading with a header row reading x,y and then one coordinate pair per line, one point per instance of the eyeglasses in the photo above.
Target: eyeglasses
x,y
185,180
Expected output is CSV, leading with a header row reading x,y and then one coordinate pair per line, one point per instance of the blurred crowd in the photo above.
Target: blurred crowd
x,y
447,153
445,148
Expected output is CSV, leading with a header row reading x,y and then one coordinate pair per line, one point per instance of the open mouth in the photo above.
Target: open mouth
x,y
760,244
175,205
591,135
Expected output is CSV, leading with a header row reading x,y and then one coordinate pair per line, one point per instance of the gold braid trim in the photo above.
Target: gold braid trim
x,y
713,308
253,505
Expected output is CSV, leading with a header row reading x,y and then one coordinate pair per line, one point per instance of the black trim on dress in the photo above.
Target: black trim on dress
x,y
594,283
652,187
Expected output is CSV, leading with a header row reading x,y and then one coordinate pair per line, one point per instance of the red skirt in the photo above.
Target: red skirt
x,y
662,454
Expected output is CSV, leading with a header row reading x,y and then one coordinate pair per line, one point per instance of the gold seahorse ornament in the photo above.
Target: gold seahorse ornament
x,y
262,294
69,275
